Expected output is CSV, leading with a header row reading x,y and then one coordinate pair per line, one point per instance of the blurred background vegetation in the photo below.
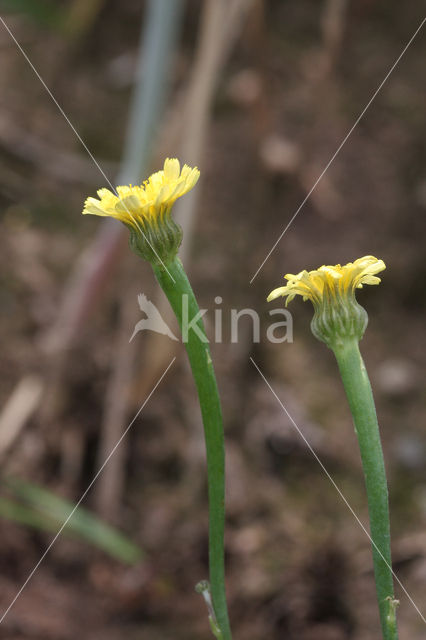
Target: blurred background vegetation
x,y
259,94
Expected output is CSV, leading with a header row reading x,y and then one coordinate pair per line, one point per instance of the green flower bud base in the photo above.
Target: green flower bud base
x,y
338,318
157,241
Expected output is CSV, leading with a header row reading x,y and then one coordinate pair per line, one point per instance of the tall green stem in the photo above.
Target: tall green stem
x,y
177,288
361,402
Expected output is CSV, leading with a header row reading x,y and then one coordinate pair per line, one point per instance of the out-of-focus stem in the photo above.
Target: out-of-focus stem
x,y
159,34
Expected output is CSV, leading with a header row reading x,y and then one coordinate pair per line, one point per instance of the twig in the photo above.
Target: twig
x,y
333,27
17,410
109,490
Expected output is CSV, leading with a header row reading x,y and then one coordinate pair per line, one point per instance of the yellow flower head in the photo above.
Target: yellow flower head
x,y
146,209
331,290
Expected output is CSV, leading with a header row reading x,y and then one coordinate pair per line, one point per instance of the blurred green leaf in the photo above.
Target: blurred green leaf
x,y
25,515
44,12
41,509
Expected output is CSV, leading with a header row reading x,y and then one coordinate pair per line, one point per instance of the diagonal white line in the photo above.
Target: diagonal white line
x,y
98,473
321,464
86,148
56,102
340,147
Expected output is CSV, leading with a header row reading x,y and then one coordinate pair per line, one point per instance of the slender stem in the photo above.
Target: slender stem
x,y
361,402
160,31
184,304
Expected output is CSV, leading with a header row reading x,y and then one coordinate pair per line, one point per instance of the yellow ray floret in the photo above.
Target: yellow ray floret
x,y
330,281
148,203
